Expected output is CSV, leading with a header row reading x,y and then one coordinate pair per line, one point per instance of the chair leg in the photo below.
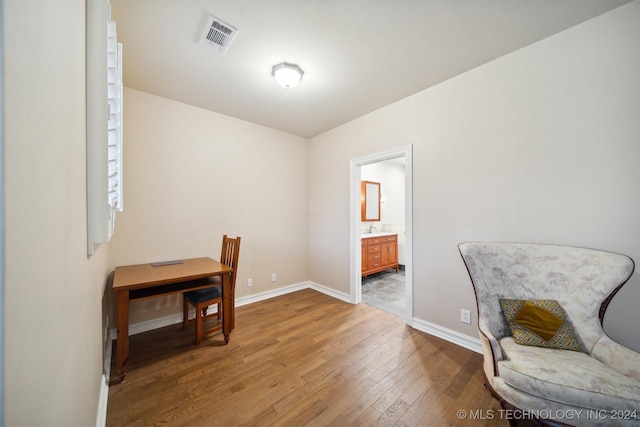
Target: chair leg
x,y
198,325
185,314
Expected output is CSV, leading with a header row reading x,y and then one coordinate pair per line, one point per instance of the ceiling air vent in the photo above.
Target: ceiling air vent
x,y
217,35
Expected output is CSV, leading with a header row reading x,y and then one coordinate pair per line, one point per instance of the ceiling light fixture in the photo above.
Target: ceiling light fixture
x,y
287,75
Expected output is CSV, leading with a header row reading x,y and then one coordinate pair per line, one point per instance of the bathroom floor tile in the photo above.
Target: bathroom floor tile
x,y
386,291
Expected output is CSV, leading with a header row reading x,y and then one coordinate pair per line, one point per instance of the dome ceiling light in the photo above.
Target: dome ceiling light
x,y
287,75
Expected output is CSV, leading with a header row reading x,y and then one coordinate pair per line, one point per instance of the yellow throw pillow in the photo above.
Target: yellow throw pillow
x,y
540,323
538,320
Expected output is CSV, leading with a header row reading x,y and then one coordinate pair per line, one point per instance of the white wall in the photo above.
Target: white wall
x,y
541,145
390,175
53,300
191,176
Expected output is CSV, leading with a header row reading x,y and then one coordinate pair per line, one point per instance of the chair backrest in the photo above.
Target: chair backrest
x,y
229,255
583,281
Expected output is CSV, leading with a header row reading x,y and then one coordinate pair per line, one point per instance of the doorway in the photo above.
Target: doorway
x,y
385,289
363,168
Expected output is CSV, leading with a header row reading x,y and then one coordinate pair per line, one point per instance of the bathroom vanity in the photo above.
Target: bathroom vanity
x,y
379,252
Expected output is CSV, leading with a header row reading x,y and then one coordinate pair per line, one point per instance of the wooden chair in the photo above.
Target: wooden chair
x,y
201,299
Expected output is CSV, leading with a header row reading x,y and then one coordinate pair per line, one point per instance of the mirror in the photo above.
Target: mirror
x,y
369,201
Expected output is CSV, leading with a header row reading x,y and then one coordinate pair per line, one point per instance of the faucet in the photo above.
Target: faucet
x,y
371,228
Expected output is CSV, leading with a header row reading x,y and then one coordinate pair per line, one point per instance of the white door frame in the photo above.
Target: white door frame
x,y
355,227
2,217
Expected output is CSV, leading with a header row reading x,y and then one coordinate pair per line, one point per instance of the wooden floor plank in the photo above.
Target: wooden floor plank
x,y
301,359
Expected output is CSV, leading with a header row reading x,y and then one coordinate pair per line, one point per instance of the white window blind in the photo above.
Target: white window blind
x,y
115,120
104,124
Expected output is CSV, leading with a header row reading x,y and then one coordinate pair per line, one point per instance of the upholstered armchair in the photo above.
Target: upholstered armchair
x,y
572,374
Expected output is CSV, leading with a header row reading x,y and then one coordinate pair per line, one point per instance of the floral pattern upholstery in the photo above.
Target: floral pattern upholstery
x,y
619,357
565,413
567,377
605,375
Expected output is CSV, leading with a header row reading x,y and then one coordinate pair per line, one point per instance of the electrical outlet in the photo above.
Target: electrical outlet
x,y
273,277
250,282
465,316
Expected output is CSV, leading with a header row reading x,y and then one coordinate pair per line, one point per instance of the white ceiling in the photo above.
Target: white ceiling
x,y
358,55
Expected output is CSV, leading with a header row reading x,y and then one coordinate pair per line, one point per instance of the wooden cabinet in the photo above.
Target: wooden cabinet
x,y
379,253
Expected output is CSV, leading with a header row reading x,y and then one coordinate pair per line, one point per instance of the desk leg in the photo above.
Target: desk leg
x,y
123,334
227,307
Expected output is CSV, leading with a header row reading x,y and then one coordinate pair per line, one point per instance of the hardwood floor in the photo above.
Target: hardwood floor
x,y
302,359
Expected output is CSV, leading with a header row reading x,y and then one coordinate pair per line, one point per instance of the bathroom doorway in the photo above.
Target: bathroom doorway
x,y
388,290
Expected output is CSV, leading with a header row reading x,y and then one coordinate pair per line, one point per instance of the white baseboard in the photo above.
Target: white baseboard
x,y
261,296
101,418
462,340
331,292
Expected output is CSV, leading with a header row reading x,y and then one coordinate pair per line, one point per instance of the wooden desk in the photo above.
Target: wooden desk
x,y
143,281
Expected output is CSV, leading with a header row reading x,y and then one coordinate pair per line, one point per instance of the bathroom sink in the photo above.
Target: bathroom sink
x,y
376,234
